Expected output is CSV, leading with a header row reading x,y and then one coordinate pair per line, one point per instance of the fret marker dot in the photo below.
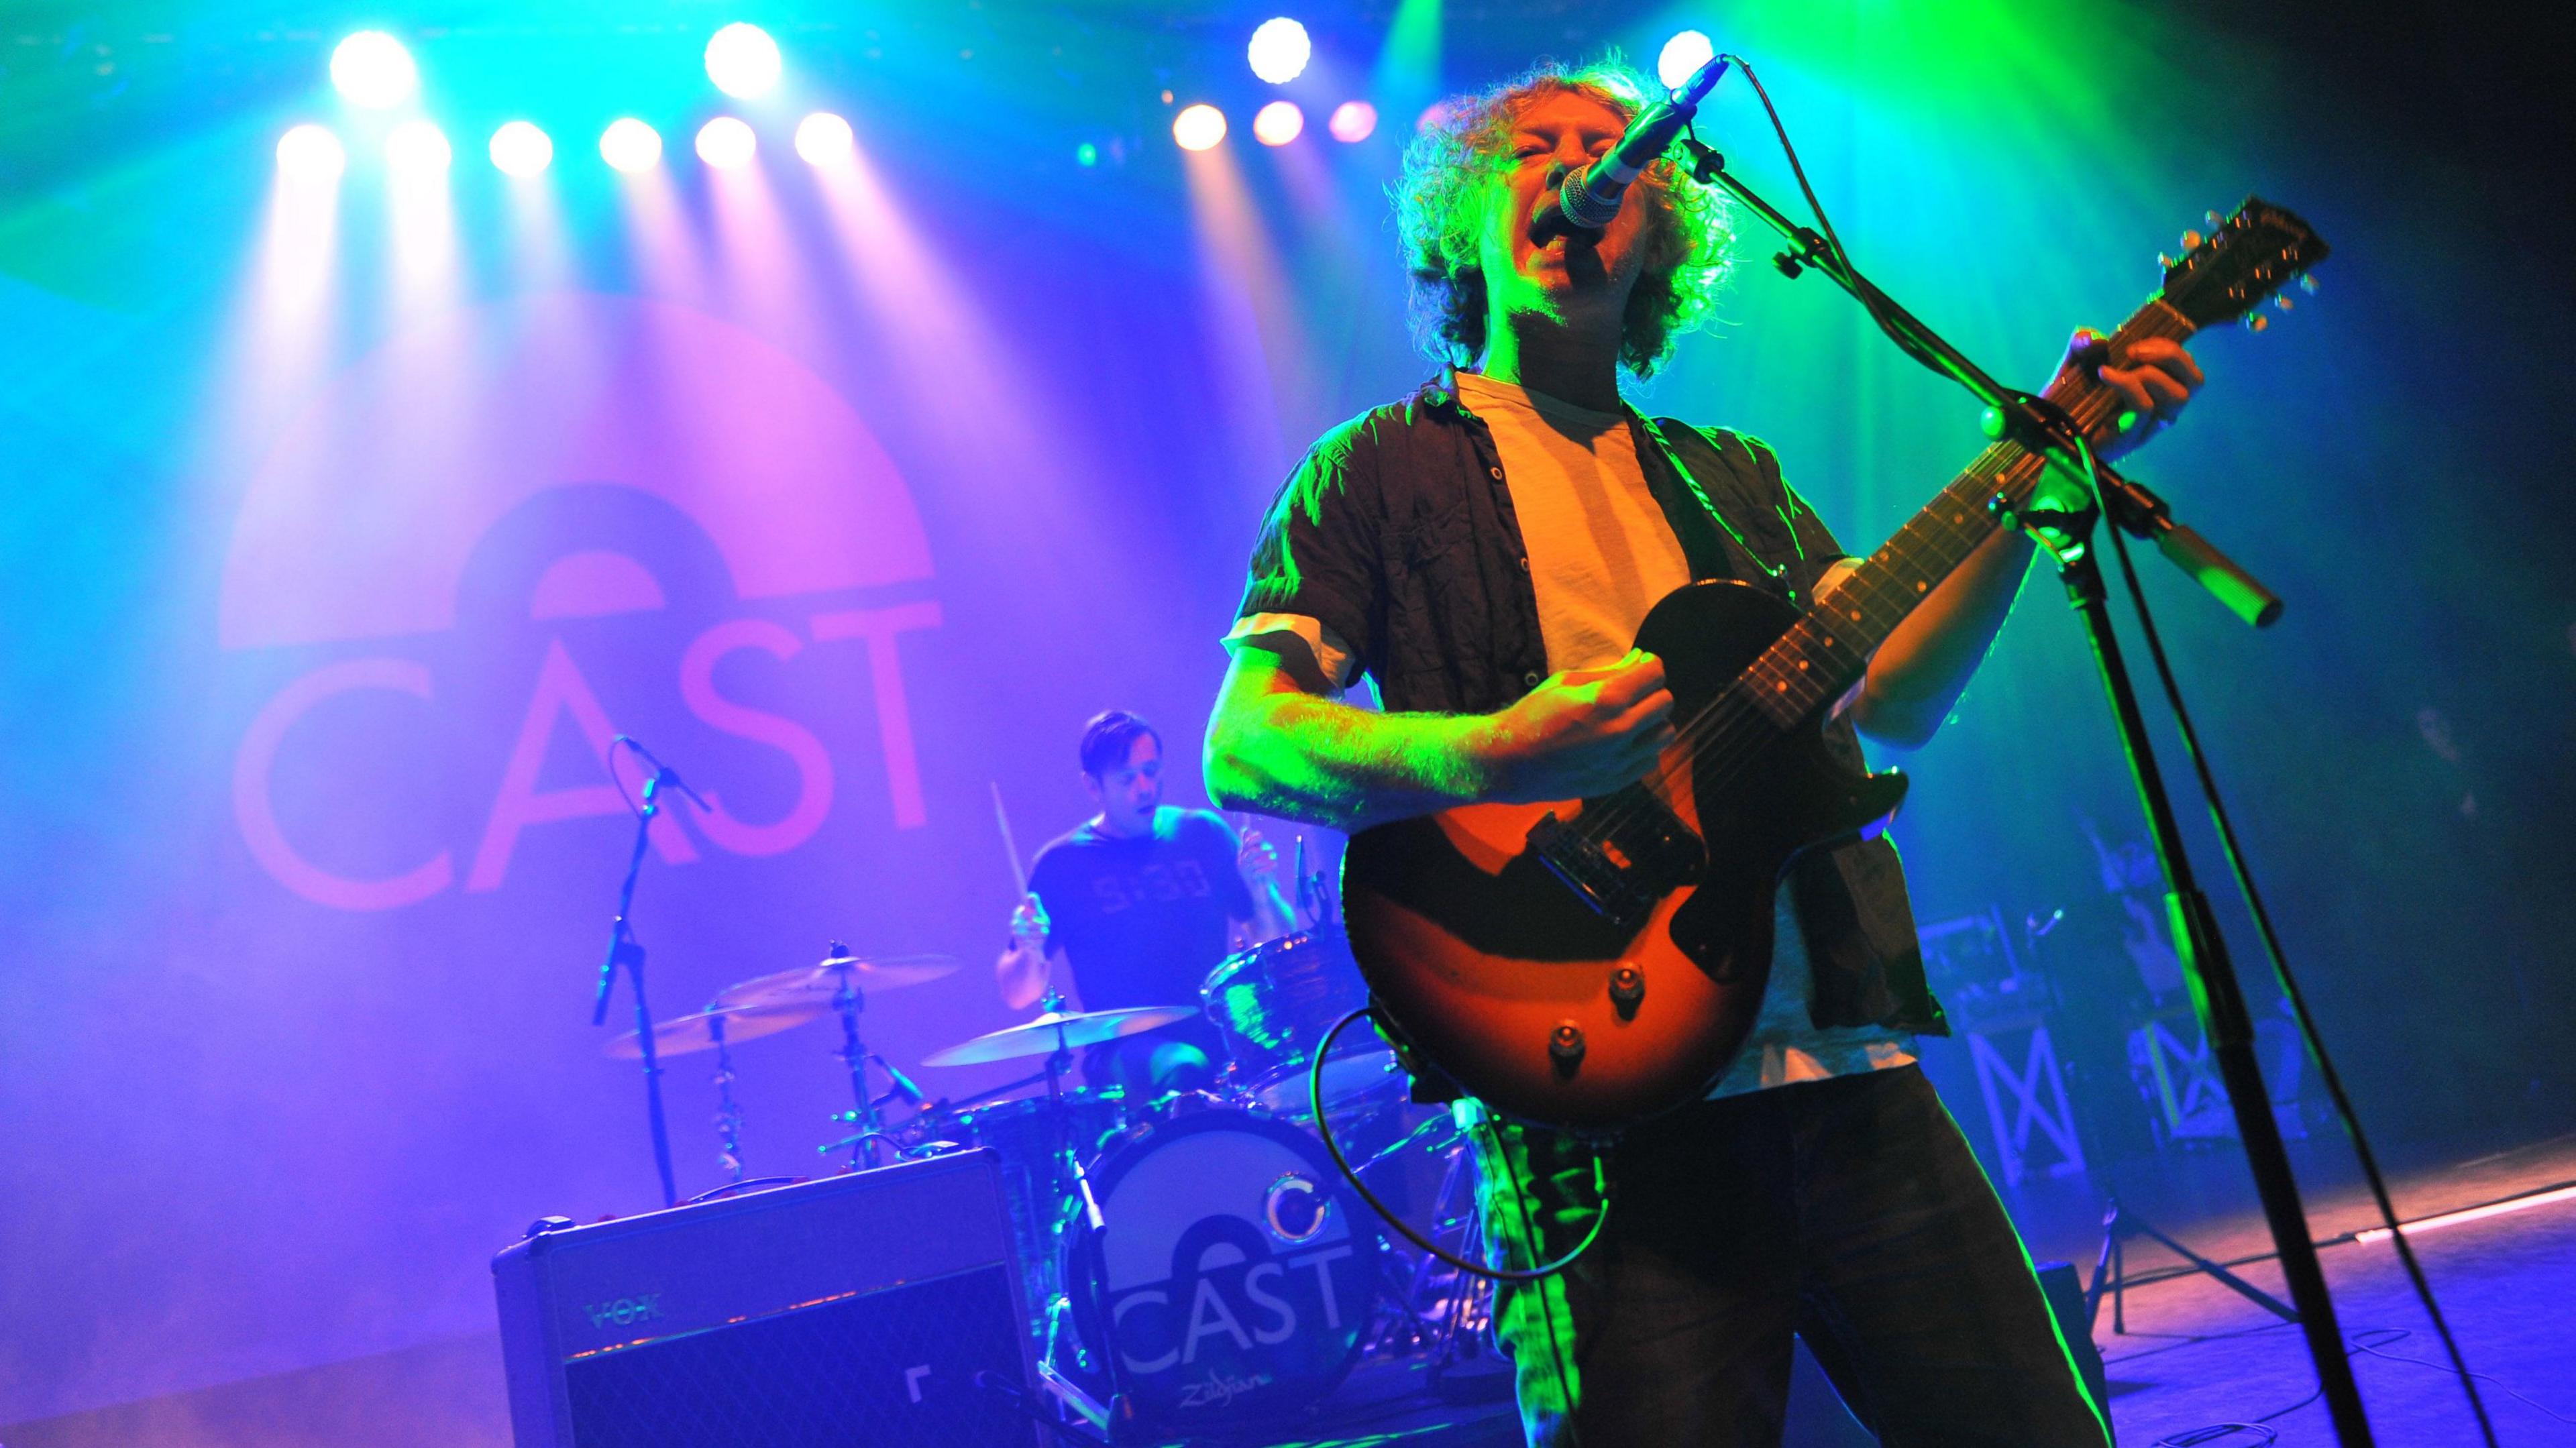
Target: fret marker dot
x,y
1922,587
1855,613
1802,666
1782,686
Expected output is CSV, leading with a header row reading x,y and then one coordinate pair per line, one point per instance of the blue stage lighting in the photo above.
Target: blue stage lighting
x,y
742,60
372,69
520,149
310,153
1280,50
1682,55
630,145
824,139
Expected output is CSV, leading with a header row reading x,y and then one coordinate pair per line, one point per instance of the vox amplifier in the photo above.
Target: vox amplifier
x,y
854,1310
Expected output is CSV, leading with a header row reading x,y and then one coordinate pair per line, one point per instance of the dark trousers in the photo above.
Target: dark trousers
x,y
1847,1211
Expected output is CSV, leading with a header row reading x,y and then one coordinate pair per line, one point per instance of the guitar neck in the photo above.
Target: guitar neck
x,y
1827,651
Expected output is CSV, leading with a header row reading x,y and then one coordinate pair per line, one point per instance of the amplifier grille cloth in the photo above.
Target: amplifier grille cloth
x,y
841,1373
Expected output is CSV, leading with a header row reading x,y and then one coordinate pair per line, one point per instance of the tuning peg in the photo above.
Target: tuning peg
x,y
2190,240
2212,219
2308,283
2164,261
2283,302
2256,322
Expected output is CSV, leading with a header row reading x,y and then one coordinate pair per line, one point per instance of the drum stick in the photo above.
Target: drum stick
x,y
1010,850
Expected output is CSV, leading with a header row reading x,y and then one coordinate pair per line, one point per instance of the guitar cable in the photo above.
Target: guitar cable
x,y
2281,973
1324,1132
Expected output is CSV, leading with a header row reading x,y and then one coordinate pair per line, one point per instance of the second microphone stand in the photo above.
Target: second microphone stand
x,y
625,950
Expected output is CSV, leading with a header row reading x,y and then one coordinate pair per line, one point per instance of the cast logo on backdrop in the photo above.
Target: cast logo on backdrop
x,y
559,460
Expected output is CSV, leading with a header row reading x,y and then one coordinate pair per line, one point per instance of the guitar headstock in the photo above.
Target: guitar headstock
x,y
2245,260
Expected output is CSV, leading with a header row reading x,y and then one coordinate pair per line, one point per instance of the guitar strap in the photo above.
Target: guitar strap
x,y
1711,543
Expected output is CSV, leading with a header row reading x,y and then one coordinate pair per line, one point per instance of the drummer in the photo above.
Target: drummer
x,y
1142,900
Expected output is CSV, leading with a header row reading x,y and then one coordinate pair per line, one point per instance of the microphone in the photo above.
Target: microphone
x,y
1590,197
662,773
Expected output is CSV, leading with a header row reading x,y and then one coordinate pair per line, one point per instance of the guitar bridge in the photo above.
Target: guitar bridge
x,y
1645,853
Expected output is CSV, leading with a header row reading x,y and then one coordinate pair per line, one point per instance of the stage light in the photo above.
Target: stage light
x,y
1682,55
310,153
726,143
824,139
1278,123
630,145
1353,121
418,147
2472,1214
742,60
1279,50
1086,154
520,149
372,69
1198,127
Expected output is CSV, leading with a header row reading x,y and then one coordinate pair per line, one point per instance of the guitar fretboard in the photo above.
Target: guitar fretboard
x,y
1826,652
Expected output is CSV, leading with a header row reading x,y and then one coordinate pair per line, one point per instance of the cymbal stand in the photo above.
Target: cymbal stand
x,y
728,1114
624,949
1068,1163
848,1002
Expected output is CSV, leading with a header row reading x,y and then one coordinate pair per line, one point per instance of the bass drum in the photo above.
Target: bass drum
x,y
1232,1275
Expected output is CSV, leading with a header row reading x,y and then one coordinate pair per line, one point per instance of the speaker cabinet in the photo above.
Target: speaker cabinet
x,y
854,1310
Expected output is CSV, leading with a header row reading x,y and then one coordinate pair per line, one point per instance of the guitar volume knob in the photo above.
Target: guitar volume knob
x,y
1627,988
1565,1046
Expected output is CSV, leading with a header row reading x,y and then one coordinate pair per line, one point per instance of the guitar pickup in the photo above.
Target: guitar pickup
x,y
1645,855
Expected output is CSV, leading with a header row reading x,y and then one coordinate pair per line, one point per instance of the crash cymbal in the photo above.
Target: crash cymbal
x,y
696,1031
820,982
1058,1028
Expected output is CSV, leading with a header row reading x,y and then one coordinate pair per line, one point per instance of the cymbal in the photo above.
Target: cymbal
x,y
1042,1035
820,982
696,1031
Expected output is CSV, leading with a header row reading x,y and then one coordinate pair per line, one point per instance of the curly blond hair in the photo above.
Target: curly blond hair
x,y
1439,202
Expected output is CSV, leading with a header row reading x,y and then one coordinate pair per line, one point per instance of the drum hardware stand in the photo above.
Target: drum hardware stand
x,y
849,1001
728,1114
624,949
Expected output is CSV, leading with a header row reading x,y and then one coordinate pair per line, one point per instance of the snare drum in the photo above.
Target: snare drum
x,y
1232,1275
1273,1004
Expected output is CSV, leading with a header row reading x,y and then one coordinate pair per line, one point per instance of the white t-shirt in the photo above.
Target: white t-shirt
x,y
1600,556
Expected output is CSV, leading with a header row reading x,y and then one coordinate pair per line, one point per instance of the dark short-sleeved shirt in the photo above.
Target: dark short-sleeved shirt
x,y
1397,533
1143,920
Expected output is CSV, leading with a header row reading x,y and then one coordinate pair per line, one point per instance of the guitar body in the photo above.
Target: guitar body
x,y
1540,1004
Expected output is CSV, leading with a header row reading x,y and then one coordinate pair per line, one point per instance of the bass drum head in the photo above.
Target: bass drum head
x,y
1232,1276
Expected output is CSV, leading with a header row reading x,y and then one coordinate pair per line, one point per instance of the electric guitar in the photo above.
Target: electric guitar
x,y
1590,963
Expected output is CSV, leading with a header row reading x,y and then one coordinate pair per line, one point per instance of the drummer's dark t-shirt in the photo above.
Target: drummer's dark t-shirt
x,y
1143,921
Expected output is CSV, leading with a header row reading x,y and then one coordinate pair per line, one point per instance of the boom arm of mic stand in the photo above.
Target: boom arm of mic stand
x,y
2130,507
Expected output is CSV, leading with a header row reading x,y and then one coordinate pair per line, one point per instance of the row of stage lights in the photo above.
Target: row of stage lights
x,y
374,71
520,148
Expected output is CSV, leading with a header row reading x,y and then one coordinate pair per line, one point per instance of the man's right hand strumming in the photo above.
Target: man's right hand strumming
x,y
1580,732
1276,748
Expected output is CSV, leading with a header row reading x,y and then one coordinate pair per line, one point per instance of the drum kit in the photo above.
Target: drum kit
x,y
1194,1262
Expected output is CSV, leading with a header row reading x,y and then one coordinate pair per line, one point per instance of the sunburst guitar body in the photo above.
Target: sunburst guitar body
x,y
1482,943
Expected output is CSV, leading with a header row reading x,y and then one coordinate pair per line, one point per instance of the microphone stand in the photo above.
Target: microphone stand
x,y
2216,994
624,949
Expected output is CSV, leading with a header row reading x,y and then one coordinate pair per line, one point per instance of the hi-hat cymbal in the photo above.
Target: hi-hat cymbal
x,y
820,983
697,1031
1058,1028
